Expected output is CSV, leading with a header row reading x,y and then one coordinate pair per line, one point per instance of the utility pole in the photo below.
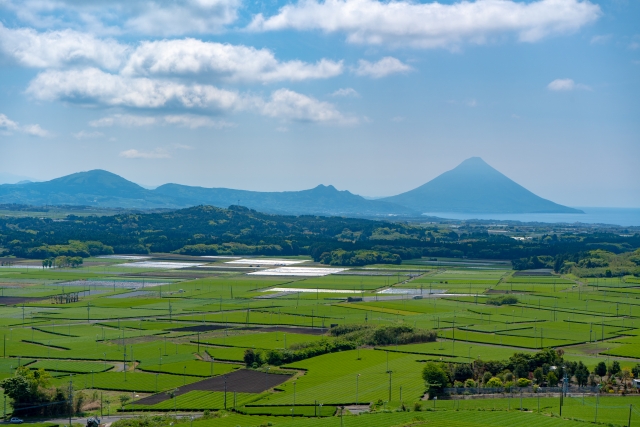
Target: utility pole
x,y
294,399
70,401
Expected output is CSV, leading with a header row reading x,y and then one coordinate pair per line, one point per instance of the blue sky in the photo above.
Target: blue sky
x,y
373,97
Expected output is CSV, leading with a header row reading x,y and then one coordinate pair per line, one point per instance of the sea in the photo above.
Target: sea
x,y
625,217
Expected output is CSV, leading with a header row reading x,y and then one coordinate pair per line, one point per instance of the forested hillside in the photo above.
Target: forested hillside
x,y
206,230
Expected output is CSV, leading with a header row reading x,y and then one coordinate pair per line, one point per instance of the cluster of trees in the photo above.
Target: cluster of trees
x,y
241,231
599,263
232,249
613,376
347,337
502,300
533,262
32,394
277,357
62,261
545,368
71,248
365,334
589,263
518,370
359,257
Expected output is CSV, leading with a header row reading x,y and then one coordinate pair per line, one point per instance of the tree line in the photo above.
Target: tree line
x,y
544,368
206,230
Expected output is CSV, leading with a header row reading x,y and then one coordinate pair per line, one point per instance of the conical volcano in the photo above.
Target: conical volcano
x,y
475,187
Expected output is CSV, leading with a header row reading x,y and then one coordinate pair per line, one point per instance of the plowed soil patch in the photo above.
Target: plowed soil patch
x,y
242,381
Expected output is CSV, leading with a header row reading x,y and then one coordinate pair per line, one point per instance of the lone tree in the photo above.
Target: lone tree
x,y
538,374
494,382
124,399
435,378
581,374
614,368
601,370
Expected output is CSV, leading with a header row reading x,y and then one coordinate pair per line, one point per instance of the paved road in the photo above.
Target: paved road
x,y
107,420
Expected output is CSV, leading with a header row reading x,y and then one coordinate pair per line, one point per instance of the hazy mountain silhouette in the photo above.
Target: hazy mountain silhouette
x,y
475,187
102,188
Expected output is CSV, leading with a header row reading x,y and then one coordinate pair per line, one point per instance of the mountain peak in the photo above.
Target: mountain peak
x,y
322,187
474,165
473,161
475,187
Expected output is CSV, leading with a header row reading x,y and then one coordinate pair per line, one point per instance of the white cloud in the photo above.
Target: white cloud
x,y
183,146
384,67
54,49
88,135
91,86
158,153
601,39
185,17
152,17
346,92
471,103
183,120
194,122
564,85
230,62
185,57
125,120
398,119
95,87
7,125
35,130
290,105
432,25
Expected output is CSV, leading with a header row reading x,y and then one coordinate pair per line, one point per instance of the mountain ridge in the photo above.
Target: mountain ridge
x,y
473,187
102,188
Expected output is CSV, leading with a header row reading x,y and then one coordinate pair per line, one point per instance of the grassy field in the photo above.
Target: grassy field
x,y
90,341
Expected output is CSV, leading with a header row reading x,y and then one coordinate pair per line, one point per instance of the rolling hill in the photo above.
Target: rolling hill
x,y
105,189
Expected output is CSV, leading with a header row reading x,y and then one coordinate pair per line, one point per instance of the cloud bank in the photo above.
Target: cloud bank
x,y
431,25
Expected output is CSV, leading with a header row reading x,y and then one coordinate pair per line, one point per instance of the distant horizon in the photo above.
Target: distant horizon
x,y
259,188
153,187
